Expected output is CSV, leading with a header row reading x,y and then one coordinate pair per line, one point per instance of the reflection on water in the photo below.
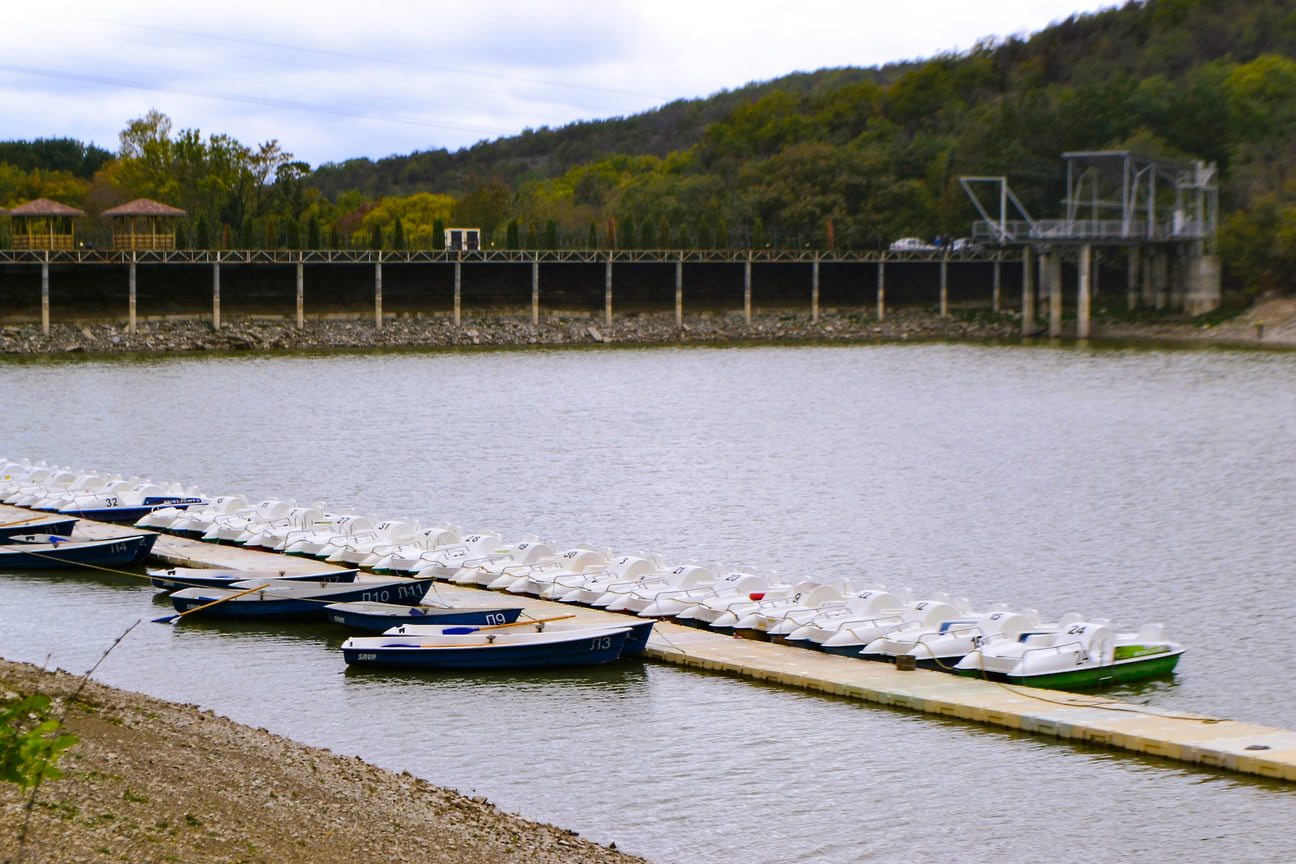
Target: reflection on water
x,y
1134,485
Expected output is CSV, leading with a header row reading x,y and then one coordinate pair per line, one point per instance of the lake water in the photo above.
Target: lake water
x,y
1133,484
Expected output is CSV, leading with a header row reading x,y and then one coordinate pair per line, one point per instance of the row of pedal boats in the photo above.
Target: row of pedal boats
x,y
935,631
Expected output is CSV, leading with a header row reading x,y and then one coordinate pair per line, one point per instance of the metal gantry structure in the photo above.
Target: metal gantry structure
x,y
1161,215
1114,197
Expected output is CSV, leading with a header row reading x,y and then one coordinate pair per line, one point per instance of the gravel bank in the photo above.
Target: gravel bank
x,y
1271,323
152,781
344,333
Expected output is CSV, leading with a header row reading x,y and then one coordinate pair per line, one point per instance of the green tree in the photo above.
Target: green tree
x,y
313,232
551,234
398,234
30,742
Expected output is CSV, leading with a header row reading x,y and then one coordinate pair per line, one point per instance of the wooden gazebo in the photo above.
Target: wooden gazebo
x,y
43,224
144,224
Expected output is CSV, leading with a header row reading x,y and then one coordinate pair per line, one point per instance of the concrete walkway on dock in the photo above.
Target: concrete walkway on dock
x,y
1217,743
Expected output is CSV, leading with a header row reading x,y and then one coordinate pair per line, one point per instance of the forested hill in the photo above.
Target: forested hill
x,y
876,153
1165,40
545,152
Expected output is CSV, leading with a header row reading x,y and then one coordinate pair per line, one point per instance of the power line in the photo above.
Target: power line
x,y
105,81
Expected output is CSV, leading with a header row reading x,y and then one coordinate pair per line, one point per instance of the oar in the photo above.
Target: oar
x,y
458,630
167,619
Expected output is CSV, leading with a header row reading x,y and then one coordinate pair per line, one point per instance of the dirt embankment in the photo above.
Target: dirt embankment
x,y
152,781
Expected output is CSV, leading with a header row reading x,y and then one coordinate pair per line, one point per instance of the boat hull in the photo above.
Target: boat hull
x,y
177,578
375,621
583,651
42,525
129,514
113,552
1118,672
291,604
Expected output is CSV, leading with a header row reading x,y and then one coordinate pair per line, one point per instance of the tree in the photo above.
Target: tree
x,y
485,208
648,235
551,234
313,232
376,237
202,238
151,129
29,741
398,235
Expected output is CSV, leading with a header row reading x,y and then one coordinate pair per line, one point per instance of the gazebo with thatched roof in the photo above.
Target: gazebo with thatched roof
x,y
144,224
43,224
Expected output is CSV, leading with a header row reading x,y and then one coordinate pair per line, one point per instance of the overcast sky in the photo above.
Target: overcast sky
x,y
333,81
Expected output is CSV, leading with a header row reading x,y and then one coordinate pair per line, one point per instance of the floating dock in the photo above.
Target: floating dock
x,y
1197,739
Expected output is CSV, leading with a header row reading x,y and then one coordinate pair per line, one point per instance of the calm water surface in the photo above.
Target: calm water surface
x,y
1137,485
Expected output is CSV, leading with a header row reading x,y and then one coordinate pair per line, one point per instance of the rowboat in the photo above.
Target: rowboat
x,y
37,525
491,649
52,551
1082,655
176,578
636,642
294,598
378,617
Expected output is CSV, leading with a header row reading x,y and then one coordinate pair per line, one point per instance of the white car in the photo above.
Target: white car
x,y
912,244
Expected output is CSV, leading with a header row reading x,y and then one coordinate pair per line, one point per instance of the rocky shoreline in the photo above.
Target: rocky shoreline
x,y
263,334
1272,324
153,781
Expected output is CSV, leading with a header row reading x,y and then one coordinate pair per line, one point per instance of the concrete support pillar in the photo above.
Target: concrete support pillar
x,y
1175,281
607,293
535,293
1135,255
679,293
881,291
457,284
1149,276
1055,294
814,292
944,287
747,291
1084,292
994,297
45,318
130,326
301,294
1160,277
1203,275
216,293
378,315
1028,291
